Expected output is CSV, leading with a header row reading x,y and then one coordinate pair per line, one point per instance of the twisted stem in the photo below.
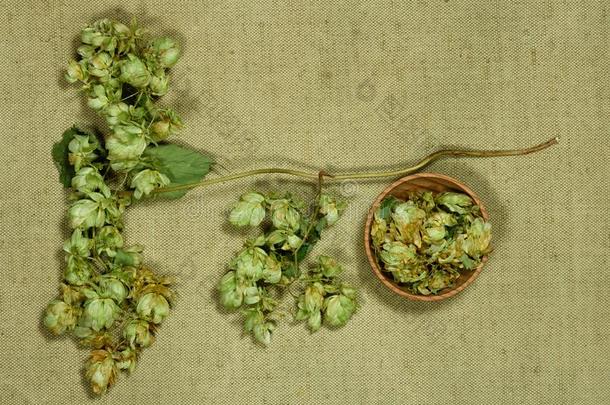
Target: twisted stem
x,y
365,175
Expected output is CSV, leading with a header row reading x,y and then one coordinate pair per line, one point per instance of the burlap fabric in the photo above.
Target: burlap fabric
x,y
341,85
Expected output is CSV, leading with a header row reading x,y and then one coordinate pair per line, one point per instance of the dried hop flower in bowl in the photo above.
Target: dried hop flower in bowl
x,y
427,237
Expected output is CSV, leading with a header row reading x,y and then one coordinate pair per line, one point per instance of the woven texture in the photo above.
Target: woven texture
x,y
343,86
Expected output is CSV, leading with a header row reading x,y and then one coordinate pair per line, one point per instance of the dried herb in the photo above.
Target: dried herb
x,y
110,301
269,265
427,240
113,304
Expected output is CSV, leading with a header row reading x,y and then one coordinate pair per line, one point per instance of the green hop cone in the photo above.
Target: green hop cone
x,y
85,51
82,150
129,256
117,113
153,307
138,333
330,208
107,240
272,273
60,317
125,146
310,306
159,84
397,254
256,323
478,237
338,309
91,36
99,65
86,213
284,215
231,294
166,50
252,295
110,287
89,179
76,71
101,370
98,99
135,72
455,202
146,181
78,245
408,219
120,29
160,130
78,270
249,264
126,359
99,313
378,231
328,267
249,210
71,295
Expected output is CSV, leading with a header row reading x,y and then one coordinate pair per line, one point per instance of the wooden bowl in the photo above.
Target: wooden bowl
x,y
400,189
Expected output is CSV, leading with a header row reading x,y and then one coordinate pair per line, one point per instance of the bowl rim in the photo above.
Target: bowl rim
x,y
373,260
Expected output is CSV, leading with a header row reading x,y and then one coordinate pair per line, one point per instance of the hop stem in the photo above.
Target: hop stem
x,y
365,175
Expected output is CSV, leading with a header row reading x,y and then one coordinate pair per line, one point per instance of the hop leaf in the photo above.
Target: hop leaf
x,y
179,164
248,211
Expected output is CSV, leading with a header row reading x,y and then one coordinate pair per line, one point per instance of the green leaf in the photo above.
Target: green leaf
x,y
386,207
60,156
179,164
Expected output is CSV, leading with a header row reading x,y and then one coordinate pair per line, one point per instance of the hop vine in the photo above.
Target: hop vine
x,y
110,301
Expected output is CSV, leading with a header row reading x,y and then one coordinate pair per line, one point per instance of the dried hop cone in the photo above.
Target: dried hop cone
x,y
60,317
138,333
101,370
153,307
